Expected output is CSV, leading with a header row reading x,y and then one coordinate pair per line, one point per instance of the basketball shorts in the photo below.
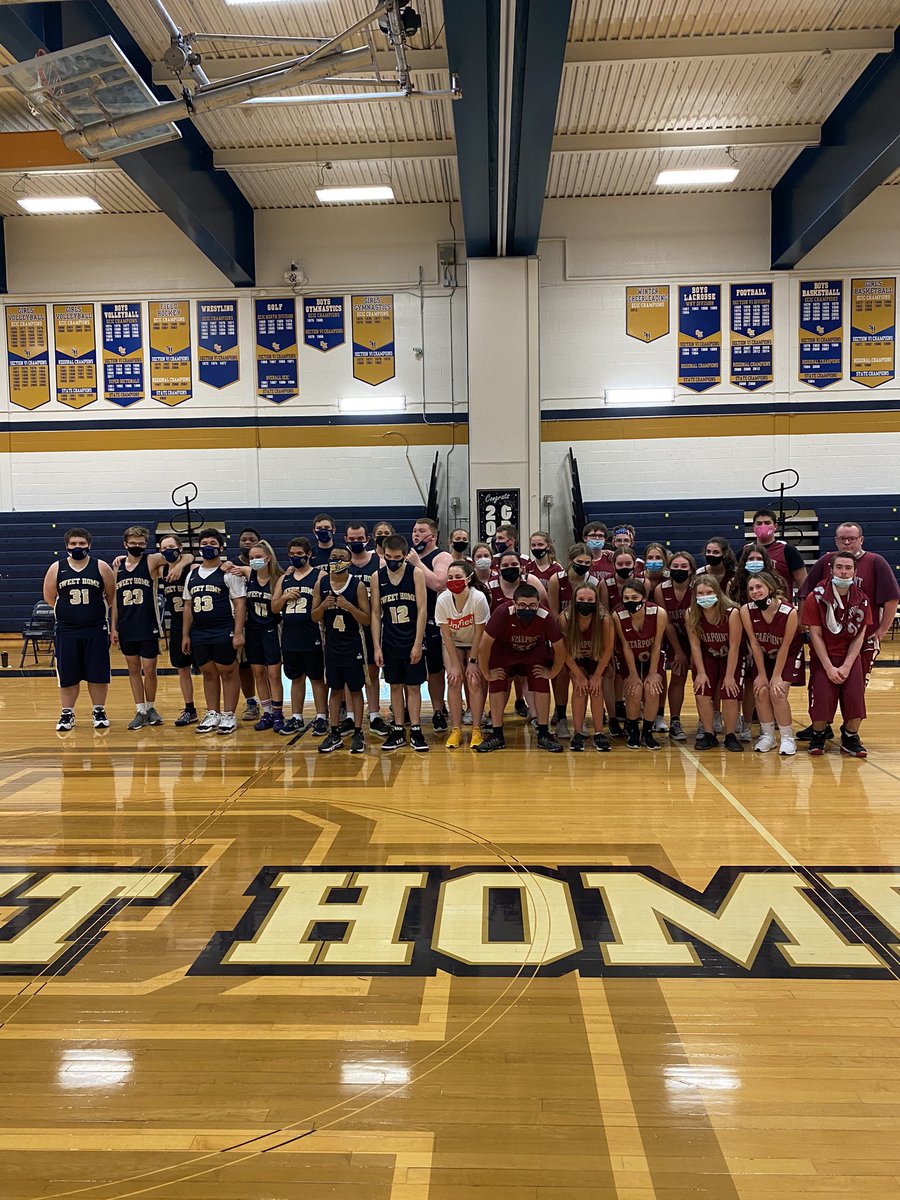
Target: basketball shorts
x,y
82,656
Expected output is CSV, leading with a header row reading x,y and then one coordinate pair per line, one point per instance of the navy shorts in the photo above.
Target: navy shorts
x,y
434,651
222,652
370,646
263,646
345,670
177,656
82,656
142,648
298,663
398,668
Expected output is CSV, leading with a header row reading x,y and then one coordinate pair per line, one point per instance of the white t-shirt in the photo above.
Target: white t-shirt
x,y
236,584
461,623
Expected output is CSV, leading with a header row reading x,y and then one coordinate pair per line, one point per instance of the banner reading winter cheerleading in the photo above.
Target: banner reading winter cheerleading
x,y
170,351
28,355
323,322
647,312
700,336
76,354
373,338
276,350
752,355
218,355
873,324
821,332
123,353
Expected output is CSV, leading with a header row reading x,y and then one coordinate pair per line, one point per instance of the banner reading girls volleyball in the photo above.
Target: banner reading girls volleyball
x,y
647,312
873,326
28,355
373,338
123,353
752,355
76,354
218,356
276,350
170,351
700,336
821,332
323,322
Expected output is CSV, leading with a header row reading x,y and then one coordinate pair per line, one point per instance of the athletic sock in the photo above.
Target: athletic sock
x,y
357,728
335,731
543,730
374,714
497,731
142,708
321,716
786,730
767,727
560,712
189,706
266,705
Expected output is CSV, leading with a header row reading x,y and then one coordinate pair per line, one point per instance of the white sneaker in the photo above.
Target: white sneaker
x,y
764,743
210,722
227,723
744,730
659,725
788,746
718,723
467,717
562,728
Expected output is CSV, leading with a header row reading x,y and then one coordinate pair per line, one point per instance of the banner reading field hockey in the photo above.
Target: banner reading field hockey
x,y
76,354
170,351
123,353
647,312
276,350
752,353
28,355
218,355
373,338
323,322
821,332
700,336
873,326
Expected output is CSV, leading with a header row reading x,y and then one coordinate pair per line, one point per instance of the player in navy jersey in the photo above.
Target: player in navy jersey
x,y
434,563
80,589
341,603
172,582
262,643
246,538
399,610
323,533
364,564
301,638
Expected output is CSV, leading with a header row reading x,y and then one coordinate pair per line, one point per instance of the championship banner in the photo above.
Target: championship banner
x,y
873,325
821,332
218,356
76,354
276,350
700,336
28,355
647,312
170,351
373,338
323,322
752,350
123,353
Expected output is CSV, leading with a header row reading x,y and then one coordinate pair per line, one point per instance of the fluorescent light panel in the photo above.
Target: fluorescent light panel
x,y
372,404
354,195
644,397
59,204
701,175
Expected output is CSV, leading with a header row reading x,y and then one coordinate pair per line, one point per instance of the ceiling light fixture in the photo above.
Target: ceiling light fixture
x,y
701,175
354,195
59,204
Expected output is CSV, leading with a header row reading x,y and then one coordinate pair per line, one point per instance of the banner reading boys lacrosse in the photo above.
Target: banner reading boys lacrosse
x,y
873,325
751,335
700,336
76,354
323,322
123,353
821,332
276,350
647,312
218,356
170,351
28,355
373,338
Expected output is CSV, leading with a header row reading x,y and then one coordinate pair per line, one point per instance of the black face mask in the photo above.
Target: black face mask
x,y
633,606
460,547
393,564
419,547
526,615
299,560
500,547
324,535
78,553
624,572
171,556
379,541
581,568
679,574
585,607
763,603
714,560
356,547
539,552
136,551
510,574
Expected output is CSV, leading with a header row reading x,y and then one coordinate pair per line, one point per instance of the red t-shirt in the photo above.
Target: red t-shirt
x,y
837,644
531,640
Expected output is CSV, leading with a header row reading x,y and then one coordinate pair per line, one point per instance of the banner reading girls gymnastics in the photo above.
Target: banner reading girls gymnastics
x,y
123,353
751,335
700,336
373,338
873,326
821,332
28,355
323,322
218,356
170,351
647,312
276,350
76,354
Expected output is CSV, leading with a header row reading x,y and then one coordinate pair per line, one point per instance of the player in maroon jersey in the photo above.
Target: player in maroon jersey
x,y
772,629
787,560
624,567
506,541
484,566
542,562
589,637
715,634
561,588
753,561
501,587
656,565
719,561
674,595
640,629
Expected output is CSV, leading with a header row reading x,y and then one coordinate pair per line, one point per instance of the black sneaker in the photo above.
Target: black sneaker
x,y
188,717
99,717
633,735
417,740
615,728
490,744
395,739
332,742
850,744
602,743
66,721
439,722
806,735
292,726
817,742
577,742
649,740
706,741
733,743
357,742
546,741
520,708
379,726
346,726
320,727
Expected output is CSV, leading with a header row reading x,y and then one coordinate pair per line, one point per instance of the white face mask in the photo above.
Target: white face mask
x,y
841,584
482,563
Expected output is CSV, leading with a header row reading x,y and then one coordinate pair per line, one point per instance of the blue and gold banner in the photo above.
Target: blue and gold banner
x,y
752,349
373,338
647,312
76,354
170,351
821,332
123,353
700,336
218,356
28,355
276,350
323,322
873,328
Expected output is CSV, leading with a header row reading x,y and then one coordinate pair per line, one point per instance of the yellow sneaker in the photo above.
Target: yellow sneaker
x,y
454,741
477,738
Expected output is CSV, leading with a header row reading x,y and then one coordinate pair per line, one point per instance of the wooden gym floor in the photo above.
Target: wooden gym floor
x,y
180,1019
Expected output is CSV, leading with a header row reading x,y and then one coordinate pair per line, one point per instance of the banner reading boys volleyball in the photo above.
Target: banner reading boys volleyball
x,y
700,336
751,335
218,356
28,355
276,350
323,322
76,354
873,325
647,312
170,351
373,338
821,332
123,353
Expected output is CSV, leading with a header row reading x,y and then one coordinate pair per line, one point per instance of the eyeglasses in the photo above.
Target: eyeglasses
x,y
848,537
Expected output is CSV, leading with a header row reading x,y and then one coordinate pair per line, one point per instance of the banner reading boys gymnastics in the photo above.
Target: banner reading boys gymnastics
x,y
373,338
751,335
323,322
700,336
276,350
123,353
218,356
28,355
170,351
76,354
821,332
647,312
873,325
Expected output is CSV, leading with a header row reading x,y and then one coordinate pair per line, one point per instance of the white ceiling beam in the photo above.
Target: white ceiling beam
x,y
254,157
223,68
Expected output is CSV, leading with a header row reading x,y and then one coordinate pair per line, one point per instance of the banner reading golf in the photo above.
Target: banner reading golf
x,y
700,336
373,338
170,351
28,355
218,356
123,353
752,356
76,354
873,325
821,332
647,312
323,322
276,350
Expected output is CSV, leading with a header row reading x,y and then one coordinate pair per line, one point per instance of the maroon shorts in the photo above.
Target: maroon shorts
x,y
513,664
825,696
794,671
714,667
642,667
667,659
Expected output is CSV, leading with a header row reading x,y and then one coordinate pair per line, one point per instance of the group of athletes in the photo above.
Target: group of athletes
x,y
604,631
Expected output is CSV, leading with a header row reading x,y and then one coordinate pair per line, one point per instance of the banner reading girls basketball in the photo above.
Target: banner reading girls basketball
x,y
821,332
276,350
752,354
647,312
170,351
700,336
76,354
323,322
123,353
873,327
373,338
218,356
28,355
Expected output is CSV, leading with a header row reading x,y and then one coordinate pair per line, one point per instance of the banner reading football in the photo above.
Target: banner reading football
x,y
751,335
373,338
170,351
873,324
647,312
700,336
76,354
821,332
323,322
218,356
123,353
276,350
28,355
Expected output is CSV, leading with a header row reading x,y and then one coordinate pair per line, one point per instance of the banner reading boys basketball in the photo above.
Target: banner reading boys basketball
x,y
170,351
323,322
873,326
647,312
218,356
821,332
373,338
276,350
28,355
76,354
123,353
752,352
700,336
